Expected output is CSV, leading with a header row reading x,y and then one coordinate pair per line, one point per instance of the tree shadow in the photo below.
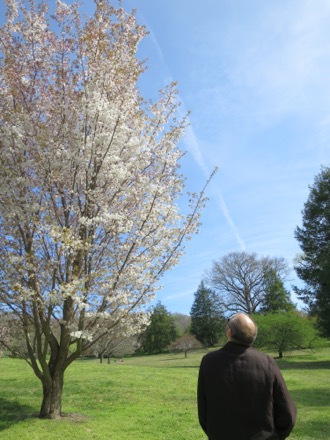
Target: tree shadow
x,y
313,397
14,412
183,366
300,365
314,429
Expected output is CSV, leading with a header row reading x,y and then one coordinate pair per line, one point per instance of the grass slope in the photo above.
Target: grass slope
x,y
145,398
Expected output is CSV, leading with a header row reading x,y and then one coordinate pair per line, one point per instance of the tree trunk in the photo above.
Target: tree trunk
x,y
280,354
51,407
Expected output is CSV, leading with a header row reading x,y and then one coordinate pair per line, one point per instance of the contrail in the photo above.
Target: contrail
x,y
192,145
191,142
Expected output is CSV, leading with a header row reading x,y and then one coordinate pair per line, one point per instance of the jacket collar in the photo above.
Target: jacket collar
x,y
234,347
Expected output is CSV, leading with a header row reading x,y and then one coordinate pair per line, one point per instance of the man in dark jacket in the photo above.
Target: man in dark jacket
x,y
241,392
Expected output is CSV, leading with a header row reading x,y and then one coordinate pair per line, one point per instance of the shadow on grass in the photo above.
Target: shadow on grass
x,y
182,366
313,397
299,365
313,429
13,412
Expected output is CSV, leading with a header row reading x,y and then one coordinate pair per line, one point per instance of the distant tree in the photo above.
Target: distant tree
x,y
313,266
239,279
207,316
12,337
285,331
184,344
276,297
182,323
116,346
160,332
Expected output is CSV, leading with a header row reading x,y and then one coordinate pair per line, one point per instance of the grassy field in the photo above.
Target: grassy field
x,y
146,398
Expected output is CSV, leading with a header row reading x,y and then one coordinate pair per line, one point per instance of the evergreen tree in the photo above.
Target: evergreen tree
x,y
207,318
276,297
160,332
313,266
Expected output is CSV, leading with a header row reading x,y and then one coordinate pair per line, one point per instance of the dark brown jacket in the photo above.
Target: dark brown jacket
x,y
242,396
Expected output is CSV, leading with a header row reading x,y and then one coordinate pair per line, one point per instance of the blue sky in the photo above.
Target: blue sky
x,y
256,77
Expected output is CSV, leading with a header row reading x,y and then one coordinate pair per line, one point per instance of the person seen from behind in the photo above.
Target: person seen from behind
x,y
241,393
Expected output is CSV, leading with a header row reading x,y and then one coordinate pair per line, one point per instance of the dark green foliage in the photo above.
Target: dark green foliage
x,y
160,332
283,332
276,297
207,320
313,266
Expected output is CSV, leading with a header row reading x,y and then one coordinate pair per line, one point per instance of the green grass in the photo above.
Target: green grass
x,y
146,398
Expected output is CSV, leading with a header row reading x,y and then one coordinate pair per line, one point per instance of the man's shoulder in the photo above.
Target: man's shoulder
x,y
212,356
257,353
222,351
237,349
213,353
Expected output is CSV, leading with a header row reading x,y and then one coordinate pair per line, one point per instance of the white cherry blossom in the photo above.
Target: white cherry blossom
x,y
89,183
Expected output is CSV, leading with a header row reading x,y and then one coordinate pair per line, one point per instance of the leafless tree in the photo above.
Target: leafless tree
x,y
239,279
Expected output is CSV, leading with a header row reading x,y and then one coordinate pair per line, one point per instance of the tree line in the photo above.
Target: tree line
x,y
246,282
281,327
240,282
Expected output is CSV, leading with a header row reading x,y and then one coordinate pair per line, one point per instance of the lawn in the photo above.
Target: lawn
x,y
146,398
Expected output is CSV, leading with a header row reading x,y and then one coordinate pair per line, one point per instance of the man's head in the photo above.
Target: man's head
x,y
241,329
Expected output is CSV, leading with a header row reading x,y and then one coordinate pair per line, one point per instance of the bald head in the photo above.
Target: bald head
x,y
242,329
